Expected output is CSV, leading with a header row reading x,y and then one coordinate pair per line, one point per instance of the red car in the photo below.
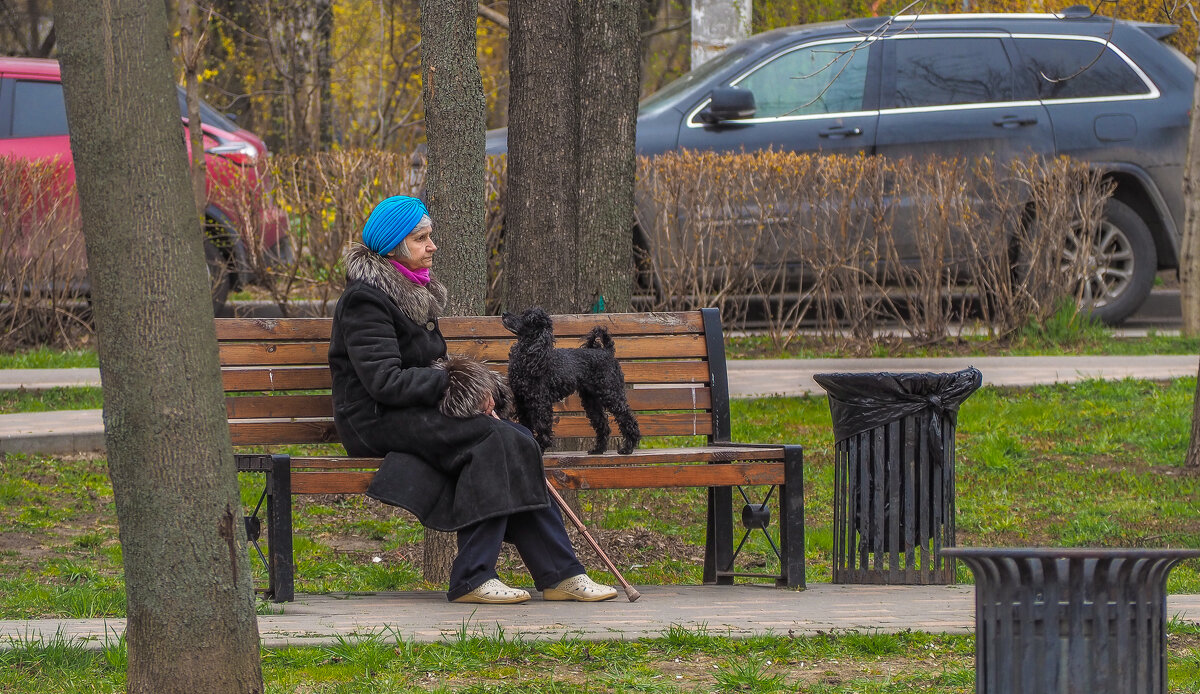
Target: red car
x,y
33,125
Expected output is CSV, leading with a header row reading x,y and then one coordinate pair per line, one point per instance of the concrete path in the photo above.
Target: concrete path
x,y
741,610
82,430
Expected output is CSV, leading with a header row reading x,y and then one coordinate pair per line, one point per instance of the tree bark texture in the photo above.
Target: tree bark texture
x,y
1189,251
541,213
191,51
1193,452
189,595
452,89
608,96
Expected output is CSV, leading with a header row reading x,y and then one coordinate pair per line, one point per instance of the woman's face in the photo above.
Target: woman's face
x,y
420,250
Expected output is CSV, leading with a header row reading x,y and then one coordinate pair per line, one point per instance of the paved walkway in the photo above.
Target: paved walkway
x,y
741,610
82,430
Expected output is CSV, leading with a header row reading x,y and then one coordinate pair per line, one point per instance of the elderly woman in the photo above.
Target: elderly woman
x,y
448,458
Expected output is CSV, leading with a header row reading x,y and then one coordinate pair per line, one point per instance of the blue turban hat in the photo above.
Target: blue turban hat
x,y
391,221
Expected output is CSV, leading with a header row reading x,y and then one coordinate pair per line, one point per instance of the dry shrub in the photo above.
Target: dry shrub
x,y
705,245
1033,213
327,197
42,258
853,246
941,211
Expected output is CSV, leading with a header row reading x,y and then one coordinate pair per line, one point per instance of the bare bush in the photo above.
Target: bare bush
x,y
846,246
922,252
42,257
327,198
1032,212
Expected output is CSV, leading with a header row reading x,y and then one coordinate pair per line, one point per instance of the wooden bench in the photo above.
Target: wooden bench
x,y
277,382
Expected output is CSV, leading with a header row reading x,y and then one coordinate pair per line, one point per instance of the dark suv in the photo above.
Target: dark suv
x,y
963,85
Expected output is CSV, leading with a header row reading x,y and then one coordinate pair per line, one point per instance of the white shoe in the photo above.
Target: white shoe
x,y
496,593
579,588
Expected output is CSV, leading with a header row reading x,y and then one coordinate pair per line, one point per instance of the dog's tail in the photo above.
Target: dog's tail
x,y
599,338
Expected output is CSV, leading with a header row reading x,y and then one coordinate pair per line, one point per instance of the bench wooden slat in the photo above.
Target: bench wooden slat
x,y
274,432
493,350
472,326
629,347
305,406
627,477
241,380
661,476
642,456
276,379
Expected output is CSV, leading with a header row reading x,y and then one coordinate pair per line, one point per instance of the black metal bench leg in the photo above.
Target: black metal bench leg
x,y
791,519
279,529
718,538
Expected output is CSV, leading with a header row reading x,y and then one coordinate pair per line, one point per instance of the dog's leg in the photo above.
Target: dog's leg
x,y
595,413
542,425
617,403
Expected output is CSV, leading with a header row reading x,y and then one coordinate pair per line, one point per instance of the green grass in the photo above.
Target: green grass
x,y
12,401
1089,464
43,358
679,660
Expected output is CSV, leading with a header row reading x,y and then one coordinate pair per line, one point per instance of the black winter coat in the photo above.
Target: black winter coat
x,y
450,472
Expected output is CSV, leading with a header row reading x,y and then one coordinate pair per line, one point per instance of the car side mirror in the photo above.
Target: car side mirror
x,y
729,103
231,116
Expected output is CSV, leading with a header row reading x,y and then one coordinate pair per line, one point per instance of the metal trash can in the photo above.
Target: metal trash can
x,y
893,505
1051,620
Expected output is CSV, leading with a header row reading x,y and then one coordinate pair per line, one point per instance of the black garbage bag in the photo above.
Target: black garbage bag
x,y
863,402
860,402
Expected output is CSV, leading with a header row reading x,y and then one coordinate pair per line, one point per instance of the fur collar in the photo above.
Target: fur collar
x,y
418,303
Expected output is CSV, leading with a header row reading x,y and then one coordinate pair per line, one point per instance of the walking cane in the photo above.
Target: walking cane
x,y
630,591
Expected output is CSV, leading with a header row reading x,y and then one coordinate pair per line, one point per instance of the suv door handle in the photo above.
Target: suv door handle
x,y
1014,121
839,132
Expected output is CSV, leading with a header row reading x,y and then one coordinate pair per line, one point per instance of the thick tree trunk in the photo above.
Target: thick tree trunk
x,y
608,86
189,597
541,205
454,125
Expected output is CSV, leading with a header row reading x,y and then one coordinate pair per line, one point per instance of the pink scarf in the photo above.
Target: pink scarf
x,y
420,277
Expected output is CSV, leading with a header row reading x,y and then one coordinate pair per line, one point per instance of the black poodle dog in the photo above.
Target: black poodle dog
x,y
540,375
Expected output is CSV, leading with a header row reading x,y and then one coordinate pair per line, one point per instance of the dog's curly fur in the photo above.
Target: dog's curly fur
x,y
541,374
470,384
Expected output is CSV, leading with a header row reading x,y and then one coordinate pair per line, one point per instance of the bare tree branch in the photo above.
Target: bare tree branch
x,y
494,17
667,29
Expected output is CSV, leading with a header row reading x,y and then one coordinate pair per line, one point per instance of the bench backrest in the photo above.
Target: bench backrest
x,y
276,373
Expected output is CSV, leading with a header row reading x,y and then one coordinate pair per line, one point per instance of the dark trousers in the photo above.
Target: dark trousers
x,y
540,538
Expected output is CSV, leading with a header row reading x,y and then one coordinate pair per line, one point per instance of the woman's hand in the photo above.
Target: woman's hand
x,y
489,406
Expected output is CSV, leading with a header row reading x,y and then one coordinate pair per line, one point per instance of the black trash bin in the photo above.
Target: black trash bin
x,y
893,493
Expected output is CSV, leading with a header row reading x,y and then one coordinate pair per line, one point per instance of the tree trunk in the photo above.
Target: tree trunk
x,y
189,597
325,73
608,98
454,126
1189,255
541,205
191,53
1193,452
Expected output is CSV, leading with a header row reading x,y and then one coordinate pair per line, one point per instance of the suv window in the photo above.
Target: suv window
x,y
38,109
821,78
935,71
1078,69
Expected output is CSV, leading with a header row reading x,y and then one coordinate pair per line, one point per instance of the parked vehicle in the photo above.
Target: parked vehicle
x,y
33,125
1110,93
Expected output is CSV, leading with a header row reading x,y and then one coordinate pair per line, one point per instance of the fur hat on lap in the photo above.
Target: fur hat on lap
x,y
470,384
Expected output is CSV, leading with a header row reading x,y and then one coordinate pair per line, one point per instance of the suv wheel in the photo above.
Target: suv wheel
x,y
1118,271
